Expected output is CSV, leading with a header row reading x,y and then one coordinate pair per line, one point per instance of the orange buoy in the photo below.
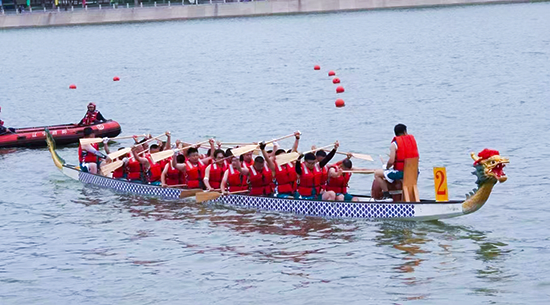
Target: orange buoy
x,y
116,79
340,103
331,73
336,80
339,89
72,86
317,67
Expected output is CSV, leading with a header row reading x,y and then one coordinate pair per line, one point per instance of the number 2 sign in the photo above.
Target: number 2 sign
x,y
440,179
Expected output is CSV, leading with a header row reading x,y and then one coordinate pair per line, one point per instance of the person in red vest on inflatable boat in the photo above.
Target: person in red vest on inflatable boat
x,y
3,129
92,116
403,146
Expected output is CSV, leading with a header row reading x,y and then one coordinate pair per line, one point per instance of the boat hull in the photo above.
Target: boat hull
x,y
62,134
410,211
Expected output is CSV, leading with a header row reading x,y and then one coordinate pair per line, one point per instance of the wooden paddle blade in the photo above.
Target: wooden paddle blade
x,y
360,171
190,193
243,150
206,196
119,153
362,156
287,158
85,141
109,168
161,155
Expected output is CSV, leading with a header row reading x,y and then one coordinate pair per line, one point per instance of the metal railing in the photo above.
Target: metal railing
x,y
42,6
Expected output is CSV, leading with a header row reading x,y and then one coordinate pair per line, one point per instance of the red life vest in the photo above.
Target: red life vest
x,y
339,184
173,176
235,180
155,170
247,164
119,172
286,177
216,175
261,183
309,181
90,118
406,148
324,176
195,174
134,170
85,156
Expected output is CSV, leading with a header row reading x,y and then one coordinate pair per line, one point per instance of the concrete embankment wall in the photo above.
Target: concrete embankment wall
x,y
233,9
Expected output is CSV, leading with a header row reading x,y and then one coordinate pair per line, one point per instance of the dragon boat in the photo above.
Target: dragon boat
x,y
488,166
63,134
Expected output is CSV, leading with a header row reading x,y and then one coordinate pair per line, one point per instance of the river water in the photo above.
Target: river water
x,y
461,78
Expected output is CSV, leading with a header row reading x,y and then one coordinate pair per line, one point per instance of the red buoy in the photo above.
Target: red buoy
x,y
336,80
116,79
340,103
339,89
72,86
317,67
331,73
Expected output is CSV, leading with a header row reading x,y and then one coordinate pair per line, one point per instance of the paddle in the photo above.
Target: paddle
x,y
248,148
356,155
109,168
283,159
190,193
161,155
240,144
177,185
85,141
124,151
359,171
206,196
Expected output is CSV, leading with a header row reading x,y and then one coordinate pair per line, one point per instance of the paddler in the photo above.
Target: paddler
x,y
213,174
310,176
121,173
171,175
246,159
260,176
88,154
338,180
403,146
234,179
285,175
92,116
194,167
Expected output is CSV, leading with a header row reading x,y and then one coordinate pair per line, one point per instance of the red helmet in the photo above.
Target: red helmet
x,y
92,104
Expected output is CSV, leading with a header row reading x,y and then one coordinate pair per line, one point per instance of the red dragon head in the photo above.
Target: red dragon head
x,y
491,164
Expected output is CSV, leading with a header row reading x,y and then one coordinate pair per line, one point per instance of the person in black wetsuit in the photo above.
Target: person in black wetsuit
x,y
92,116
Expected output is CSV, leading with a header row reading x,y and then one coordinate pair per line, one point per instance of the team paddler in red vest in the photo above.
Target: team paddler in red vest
x,y
89,155
338,180
310,173
194,168
234,179
213,174
403,146
285,175
151,172
260,176
92,116
171,175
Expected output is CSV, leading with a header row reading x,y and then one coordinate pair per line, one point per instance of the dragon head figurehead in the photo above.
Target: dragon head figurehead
x,y
489,166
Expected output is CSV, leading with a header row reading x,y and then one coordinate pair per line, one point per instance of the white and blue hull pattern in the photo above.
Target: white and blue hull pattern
x,y
366,209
